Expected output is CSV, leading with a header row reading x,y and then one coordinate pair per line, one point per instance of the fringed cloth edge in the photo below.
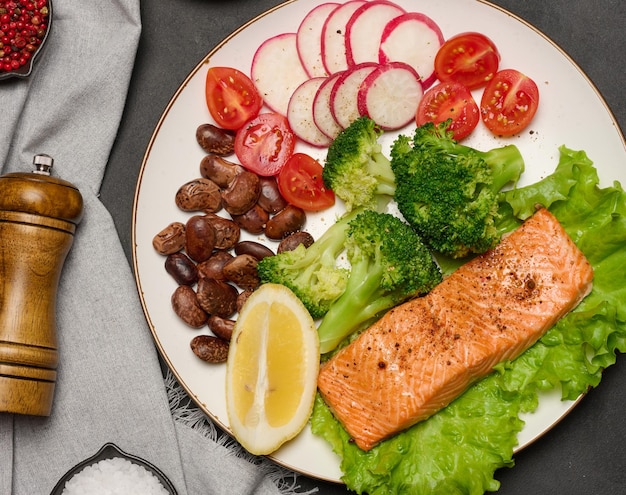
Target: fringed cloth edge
x,y
185,411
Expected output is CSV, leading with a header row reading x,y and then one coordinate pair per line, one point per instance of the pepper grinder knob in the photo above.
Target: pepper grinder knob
x,y
38,218
43,164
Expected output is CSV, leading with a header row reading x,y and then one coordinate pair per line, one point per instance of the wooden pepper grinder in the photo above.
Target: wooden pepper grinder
x,y
38,218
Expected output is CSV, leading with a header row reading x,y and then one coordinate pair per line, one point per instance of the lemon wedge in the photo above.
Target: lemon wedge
x,y
271,372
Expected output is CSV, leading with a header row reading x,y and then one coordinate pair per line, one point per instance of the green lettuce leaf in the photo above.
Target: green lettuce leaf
x,y
459,449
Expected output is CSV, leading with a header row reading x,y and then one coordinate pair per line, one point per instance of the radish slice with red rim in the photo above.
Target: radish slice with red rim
x,y
333,36
300,113
277,71
344,95
390,95
322,114
309,39
413,38
365,28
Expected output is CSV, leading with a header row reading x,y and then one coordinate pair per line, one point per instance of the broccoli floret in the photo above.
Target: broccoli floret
x,y
449,192
312,273
388,265
356,169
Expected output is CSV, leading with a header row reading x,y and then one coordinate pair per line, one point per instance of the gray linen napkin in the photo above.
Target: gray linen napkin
x,y
109,385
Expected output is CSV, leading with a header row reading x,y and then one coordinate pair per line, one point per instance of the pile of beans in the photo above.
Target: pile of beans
x,y
214,268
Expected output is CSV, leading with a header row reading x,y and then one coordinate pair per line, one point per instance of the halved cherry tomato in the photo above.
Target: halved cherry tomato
x,y
300,182
265,143
449,100
231,97
471,59
509,102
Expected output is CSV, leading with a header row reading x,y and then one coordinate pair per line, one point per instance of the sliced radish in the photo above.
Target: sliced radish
x,y
322,114
412,38
390,95
277,71
365,29
300,113
333,36
309,39
344,95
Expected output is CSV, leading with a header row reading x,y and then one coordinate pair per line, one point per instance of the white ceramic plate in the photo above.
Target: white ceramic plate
x,y
571,113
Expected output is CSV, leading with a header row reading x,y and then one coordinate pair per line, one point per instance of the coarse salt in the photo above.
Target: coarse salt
x,y
114,476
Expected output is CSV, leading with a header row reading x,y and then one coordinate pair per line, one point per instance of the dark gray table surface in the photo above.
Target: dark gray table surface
x,y
586,452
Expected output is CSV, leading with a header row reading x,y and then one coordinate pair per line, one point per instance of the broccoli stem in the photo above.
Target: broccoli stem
x,y
362,300
325,249
507,165
381,169
506,162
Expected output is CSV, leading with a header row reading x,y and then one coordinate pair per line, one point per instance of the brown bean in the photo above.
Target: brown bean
x,y
271,200
227,232
181,268
221,327
212,139
199,238
292,241
210,349
285,222
186,306
252,221
242,193
241,270
256,249
242,298
199,195
213,267
171,239
217,297
219,170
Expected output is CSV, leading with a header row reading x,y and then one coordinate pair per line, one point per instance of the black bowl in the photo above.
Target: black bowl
x,y
26,69
110,451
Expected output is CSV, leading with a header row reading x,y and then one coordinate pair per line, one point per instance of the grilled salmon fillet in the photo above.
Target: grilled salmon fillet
x,y
424,353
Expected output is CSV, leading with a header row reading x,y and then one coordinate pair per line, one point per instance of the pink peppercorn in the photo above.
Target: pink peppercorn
x,y
23,25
